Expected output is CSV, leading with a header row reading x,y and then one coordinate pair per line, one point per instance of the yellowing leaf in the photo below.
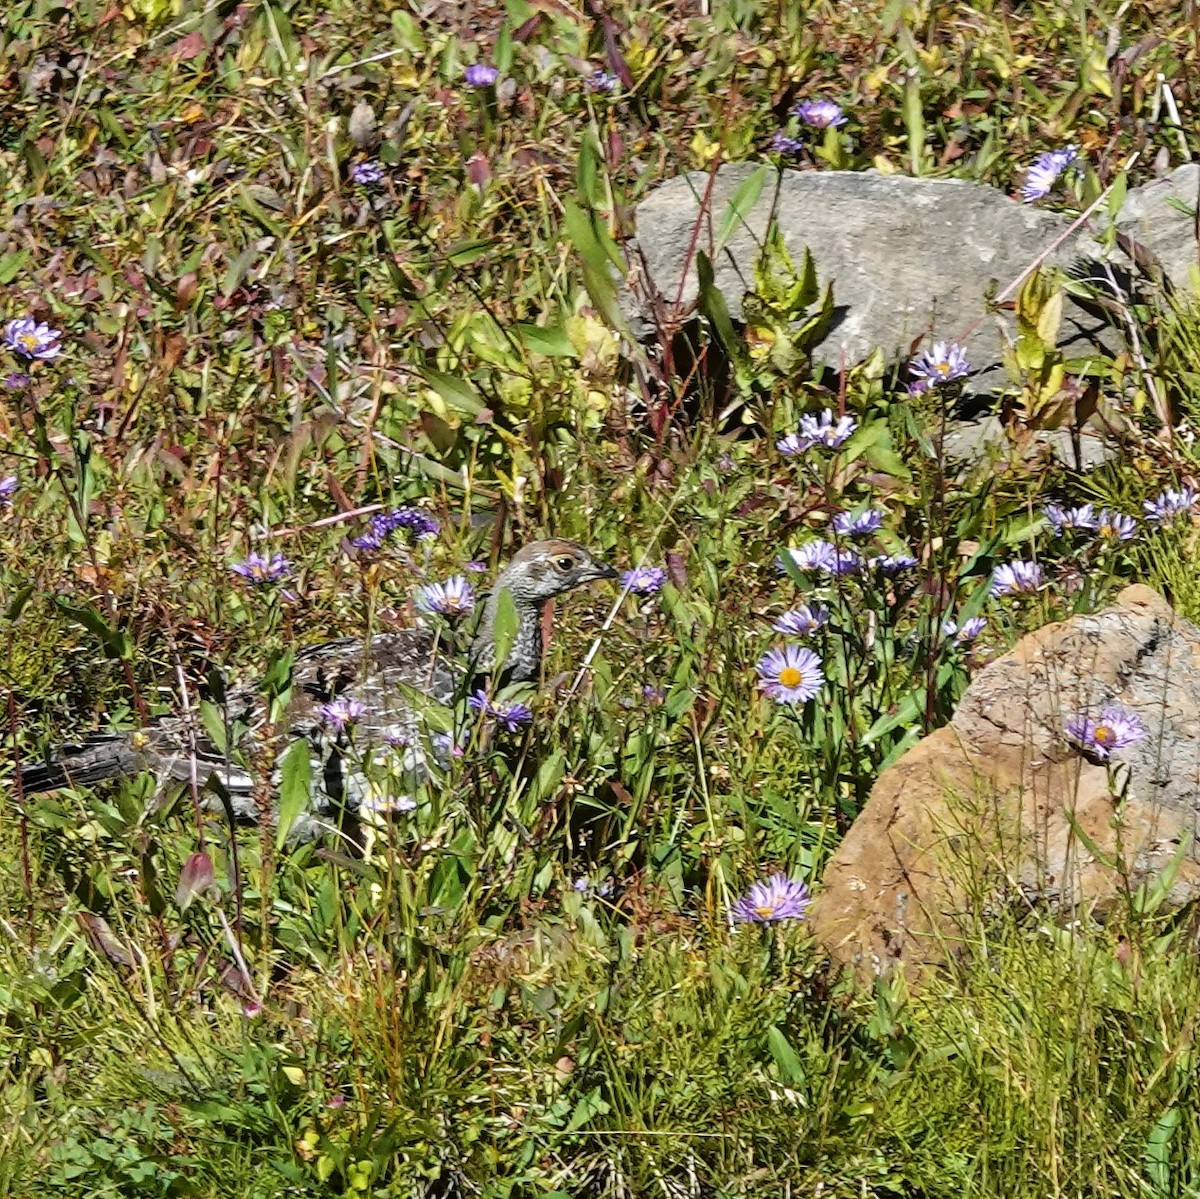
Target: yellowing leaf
x,y
703,148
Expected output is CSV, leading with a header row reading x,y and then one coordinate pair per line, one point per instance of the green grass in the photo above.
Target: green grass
x,y
255,346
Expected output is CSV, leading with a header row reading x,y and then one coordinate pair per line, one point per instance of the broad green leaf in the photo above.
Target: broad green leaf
x,y
213,719
591,238
1116,197
1158,1150
874,442
785,1058
588,170
502,56
602,292
11,265
464,253
582,235
116,642
600,256
504,630
1150,898
740,205
295,787
237,271
1105,859
549,340
910,708
589,1105
914,123
712,305
252,208
17,606
278,676
458,393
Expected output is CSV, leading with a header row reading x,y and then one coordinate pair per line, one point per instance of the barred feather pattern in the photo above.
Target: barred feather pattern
x,y
387,676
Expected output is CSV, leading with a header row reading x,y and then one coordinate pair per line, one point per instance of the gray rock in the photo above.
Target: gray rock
x,y
973,441
1151,215
910,259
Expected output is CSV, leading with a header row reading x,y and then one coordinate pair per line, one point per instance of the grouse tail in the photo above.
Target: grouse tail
x,y
98,758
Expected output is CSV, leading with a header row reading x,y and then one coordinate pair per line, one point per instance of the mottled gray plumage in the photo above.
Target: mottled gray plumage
x,y
382,674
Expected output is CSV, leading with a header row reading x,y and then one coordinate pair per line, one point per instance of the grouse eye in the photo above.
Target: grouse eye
x,y
565,563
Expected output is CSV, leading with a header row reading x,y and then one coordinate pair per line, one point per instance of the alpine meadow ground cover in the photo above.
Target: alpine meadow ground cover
x,y
308,319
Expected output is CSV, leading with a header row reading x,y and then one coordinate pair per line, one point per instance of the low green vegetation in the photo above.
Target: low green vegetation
x,y
297,268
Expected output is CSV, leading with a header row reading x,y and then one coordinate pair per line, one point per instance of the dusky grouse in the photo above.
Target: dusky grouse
x,y
375,681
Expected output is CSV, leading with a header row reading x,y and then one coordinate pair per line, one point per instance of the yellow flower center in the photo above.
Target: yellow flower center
x,y
1103,734
789,676
942,368
765,910
29,341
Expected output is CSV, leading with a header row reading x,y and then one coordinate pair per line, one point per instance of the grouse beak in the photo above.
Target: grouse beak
x,y
601,570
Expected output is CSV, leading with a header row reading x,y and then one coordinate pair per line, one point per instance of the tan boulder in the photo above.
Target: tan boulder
x,y
998,804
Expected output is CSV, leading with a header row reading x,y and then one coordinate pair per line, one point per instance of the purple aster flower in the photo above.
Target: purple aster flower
x,y
645,580
420,524
846,562
585,885
31,340
8,487
790,675
1018,578
783,143
510,715
823,430
479,74
454,597
893,564
1114,728
802,621
776,898
862,524
820,114
366,174
1171,504
653,695
383,524
1044,173
1062,519
1115,526
476,568
16,380
971,628
603,81
370,541
812,555
943,364
342,712
258,568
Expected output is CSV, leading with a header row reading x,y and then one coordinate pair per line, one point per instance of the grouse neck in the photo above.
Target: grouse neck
x,y
525,657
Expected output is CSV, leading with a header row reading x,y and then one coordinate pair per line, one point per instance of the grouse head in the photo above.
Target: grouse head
x,y
537,573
